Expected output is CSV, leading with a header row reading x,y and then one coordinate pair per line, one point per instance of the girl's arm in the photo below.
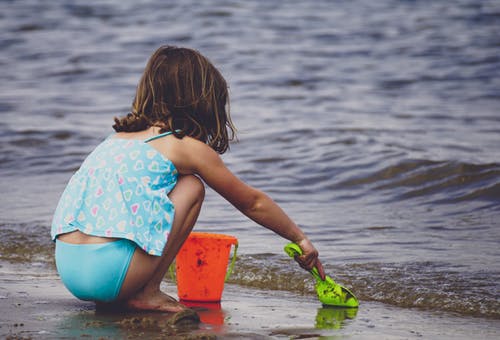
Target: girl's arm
x,y
255,204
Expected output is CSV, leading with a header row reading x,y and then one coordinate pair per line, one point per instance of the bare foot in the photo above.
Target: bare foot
x,y
157,301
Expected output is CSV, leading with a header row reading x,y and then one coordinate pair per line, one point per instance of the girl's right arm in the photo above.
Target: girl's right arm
x,y
200,159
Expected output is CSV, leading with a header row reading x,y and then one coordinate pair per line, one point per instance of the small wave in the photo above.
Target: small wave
x,y
491,193
37,134
20,245
30,27
425,285
434,286
48,151
448,182
69,72
216,13
102,12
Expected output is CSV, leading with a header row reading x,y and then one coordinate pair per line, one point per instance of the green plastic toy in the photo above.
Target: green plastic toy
x,y
329,292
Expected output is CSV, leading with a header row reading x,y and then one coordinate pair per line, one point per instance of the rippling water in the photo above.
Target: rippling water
x,y
375,124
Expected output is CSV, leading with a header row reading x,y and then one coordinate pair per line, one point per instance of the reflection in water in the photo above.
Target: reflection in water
x,y
210,313
113,323
89,324
334,317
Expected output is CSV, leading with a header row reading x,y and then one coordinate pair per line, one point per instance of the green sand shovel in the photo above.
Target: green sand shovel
x,y
329,292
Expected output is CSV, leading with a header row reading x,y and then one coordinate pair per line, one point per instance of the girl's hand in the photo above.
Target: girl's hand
x,y
309,258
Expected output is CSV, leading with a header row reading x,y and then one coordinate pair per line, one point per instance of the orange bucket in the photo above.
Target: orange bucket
x,y
202,266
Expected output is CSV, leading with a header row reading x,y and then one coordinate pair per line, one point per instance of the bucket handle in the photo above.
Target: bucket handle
x,y
231,266
171,269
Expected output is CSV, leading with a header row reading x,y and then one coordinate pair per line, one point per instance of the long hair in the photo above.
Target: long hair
x,y
181,91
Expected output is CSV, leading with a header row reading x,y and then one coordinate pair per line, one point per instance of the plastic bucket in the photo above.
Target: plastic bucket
x,y
202,266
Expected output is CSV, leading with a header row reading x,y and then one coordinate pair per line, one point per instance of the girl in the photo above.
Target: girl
x,y
129,208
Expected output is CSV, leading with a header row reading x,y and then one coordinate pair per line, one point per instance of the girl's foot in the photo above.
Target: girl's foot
x,y
157,301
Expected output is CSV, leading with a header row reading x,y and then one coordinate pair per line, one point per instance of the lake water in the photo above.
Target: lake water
x,y
374,124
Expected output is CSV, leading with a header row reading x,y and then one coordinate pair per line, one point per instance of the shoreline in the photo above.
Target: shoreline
x,y
35,304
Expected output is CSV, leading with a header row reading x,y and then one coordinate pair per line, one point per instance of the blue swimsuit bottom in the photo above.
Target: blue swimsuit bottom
x,y
94,272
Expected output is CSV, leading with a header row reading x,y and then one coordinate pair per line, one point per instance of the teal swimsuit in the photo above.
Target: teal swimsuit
x,y
94,272
120,191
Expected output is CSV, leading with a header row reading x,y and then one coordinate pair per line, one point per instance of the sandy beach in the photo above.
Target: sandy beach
x,y
35,305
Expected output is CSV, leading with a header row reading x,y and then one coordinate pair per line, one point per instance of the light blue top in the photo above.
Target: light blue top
x,y
120,191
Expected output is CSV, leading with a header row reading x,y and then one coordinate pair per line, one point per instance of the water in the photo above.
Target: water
x,y
374,124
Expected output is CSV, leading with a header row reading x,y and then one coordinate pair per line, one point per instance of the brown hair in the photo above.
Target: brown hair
x,y
181,91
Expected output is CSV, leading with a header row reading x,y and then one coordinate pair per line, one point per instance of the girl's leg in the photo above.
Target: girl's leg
x,y
141,287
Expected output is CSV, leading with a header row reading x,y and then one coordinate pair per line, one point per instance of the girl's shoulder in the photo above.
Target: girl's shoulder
x,y
185,153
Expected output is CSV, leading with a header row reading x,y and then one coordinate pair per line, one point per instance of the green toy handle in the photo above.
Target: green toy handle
x,y
293,249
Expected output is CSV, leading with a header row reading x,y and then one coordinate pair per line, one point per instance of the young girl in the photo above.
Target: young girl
x,y
129,208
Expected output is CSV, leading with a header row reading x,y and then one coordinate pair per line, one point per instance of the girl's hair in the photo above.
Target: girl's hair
x,y
181,91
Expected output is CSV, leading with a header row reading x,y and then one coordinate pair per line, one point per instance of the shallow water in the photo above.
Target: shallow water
x,y
46,310
374,124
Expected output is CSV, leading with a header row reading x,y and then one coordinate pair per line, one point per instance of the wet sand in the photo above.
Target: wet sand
x,y
34,304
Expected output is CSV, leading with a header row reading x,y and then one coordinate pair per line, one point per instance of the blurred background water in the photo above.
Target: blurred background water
x,y
375,124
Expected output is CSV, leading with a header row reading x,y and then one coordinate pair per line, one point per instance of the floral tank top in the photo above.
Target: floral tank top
x,y
120,191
